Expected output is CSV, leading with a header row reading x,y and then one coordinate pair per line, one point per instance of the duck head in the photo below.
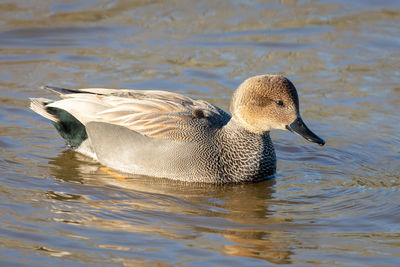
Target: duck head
x,y
266,102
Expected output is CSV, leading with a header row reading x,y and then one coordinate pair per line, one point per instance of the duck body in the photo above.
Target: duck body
x,y
168,135
224,156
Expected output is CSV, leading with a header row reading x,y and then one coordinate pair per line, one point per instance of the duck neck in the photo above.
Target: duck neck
x,y
250,156
235,126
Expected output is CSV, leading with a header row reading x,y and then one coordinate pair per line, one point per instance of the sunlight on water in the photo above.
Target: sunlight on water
x,y
335,205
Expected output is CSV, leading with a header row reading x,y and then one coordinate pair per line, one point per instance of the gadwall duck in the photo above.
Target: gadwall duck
x,y
164,134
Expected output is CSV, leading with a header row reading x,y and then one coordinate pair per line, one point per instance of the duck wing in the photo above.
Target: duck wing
x,y
158,114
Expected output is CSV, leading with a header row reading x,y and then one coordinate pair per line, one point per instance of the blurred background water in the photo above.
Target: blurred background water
x,y
333,205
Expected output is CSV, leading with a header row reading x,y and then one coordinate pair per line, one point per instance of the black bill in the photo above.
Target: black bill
x,y
299,127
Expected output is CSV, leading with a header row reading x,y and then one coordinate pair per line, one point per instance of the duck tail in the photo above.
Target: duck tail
x,y
72,130
38,105
59,91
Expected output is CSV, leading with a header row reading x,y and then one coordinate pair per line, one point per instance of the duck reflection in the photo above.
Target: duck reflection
x,y
186,212
70,166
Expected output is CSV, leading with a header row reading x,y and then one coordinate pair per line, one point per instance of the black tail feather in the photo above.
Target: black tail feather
x,y
72,130
60,90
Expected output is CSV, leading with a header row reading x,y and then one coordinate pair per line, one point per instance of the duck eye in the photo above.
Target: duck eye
x,y
279,102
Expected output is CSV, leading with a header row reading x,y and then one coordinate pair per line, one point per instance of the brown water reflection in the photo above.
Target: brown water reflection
x,y
228,205
332,206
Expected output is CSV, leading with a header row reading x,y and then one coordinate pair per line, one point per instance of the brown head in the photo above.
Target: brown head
x,y
265,102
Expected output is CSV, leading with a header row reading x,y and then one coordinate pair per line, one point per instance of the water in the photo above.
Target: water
x,y
332,205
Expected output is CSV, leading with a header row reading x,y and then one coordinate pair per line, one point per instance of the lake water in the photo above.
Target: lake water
x,y
332,205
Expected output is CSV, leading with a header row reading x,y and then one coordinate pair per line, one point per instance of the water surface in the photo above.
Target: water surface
x,y
332,205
